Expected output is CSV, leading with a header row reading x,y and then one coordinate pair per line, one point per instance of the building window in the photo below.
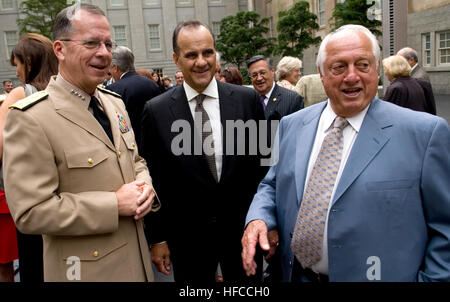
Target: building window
x,y
7,4
216,29
152,2
159,71
155,39
215,2
443,42
11,38
185,3
117,2
426,46
243,5
321,11
120,35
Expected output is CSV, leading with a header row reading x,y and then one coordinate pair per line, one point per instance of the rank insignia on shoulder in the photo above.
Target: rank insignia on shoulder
x,y
123,124
99,87
30,100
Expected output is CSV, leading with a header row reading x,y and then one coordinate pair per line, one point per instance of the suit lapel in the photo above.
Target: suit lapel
x,y
75,110
227,113
368,144
305,141
272,104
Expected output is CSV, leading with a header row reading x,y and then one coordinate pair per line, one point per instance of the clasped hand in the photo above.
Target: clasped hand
x,y
135,199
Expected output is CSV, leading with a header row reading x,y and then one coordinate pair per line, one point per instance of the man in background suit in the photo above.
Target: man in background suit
x,y
360,189
412,57
134,89
276,101
71,166
205,192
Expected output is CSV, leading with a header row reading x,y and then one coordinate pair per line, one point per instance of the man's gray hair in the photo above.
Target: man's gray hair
x,y
409,53
124,59
339,33
63,22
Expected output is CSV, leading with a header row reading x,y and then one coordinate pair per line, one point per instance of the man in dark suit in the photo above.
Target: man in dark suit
x,y
135,90
206,191
277,102
417,71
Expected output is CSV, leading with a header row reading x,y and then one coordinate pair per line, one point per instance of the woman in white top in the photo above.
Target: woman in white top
x,y
288,72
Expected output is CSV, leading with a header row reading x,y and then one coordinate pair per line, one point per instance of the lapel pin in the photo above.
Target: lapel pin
x,y
274,99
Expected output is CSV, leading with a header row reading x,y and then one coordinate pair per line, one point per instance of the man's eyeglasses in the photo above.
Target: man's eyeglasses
x,y
93,44
255,74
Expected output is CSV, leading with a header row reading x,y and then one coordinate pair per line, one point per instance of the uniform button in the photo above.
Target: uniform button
x,y
119,154
134,145
95,254
90,161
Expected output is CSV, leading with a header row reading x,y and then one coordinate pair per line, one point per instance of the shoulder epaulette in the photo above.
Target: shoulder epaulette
x,y
109,92
30,100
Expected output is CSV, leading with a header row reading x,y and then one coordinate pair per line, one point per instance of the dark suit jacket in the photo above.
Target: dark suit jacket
x,y
135,90
429,96
282,102
407,92
420,73
194,203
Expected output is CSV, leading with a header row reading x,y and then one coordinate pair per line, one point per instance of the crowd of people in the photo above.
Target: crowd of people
x,y
108,168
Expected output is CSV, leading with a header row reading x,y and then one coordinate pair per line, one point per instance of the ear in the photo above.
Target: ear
x,y
175,58
59,49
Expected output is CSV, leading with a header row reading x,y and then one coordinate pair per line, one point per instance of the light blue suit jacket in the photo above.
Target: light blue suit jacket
x,y
392,201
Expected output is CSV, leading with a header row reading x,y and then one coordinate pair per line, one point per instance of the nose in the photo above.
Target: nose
x,y
201,61
352,75
103,50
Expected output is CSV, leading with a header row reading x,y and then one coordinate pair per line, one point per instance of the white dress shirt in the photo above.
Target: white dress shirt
x,y
266,100
350,133
212,107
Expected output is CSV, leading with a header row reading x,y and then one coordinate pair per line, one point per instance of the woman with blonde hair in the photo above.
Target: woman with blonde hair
x,y
288,72
405,91
35,63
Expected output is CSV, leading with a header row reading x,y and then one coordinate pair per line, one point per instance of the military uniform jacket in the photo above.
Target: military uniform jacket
x,y
61,173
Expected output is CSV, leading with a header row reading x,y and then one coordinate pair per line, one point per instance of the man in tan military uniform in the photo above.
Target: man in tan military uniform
x,y
65,178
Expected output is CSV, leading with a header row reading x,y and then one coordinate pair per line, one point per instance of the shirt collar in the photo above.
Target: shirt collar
x,y
328,116
271,90
414,67
123,75
210,91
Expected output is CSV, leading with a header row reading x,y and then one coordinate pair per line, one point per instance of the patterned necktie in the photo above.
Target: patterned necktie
x,y
308,233
262,98
206,132
101,117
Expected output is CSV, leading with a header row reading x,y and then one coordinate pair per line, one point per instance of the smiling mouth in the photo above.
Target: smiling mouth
x,y
99,67
352,91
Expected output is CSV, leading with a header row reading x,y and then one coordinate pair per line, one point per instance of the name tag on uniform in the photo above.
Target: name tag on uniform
x,y
123,124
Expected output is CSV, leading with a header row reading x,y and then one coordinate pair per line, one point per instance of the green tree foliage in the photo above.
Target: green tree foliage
x,y
38,16
242,36
355,12
296,28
